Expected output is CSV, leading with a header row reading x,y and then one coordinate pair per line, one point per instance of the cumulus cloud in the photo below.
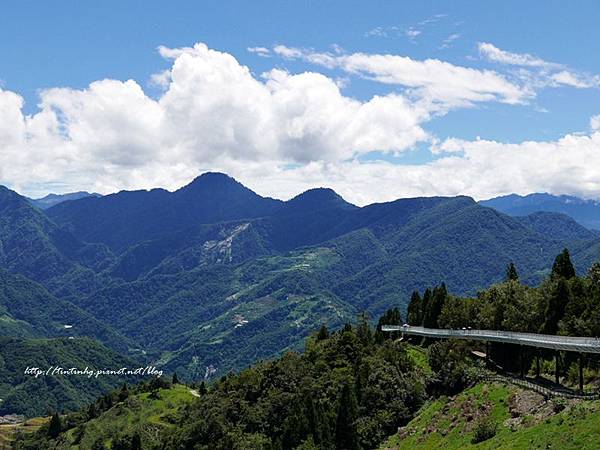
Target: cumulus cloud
x,y
281,133
212,109
479,168
431,79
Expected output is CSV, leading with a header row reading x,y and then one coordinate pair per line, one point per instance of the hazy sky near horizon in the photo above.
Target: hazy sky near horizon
x,y
377,100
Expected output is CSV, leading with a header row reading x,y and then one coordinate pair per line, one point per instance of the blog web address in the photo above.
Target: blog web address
x,y
54,371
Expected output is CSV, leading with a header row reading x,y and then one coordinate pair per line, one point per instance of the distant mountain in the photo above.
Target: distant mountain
x,y
51,200
32,245
213,276
586,212
28,310
130,217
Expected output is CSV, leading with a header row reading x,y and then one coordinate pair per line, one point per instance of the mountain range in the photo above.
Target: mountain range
x,y
586,212
212,277
51,200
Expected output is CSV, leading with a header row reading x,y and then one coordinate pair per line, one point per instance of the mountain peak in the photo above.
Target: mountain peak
x,y
318,198
211,180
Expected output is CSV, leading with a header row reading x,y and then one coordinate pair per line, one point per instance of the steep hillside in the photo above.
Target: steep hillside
x,y
497,416
25,394
29,310
32,245
557,226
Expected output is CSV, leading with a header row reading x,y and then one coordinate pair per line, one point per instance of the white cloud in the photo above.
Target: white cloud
x,y
447,43
412,34
260,51
537,73
281,133
493,53
479,168
212,109
433,80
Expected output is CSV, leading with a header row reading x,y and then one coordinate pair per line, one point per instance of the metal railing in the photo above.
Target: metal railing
x,y
566,343
543,390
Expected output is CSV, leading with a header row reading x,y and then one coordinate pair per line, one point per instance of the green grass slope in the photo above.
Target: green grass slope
x,y
522,420
145,414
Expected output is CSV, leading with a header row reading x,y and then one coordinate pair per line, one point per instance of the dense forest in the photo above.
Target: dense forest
x,y
348,389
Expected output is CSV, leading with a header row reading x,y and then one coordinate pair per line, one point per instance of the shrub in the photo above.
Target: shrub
x,y
485,429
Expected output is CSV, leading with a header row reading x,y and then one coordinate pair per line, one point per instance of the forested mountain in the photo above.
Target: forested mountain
x,y
213,277
586,212
24,393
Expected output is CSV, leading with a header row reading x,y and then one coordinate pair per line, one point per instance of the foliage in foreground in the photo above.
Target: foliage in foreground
x,y
348,390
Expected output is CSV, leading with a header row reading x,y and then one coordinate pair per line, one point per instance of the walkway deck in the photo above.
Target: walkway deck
x,y
566,343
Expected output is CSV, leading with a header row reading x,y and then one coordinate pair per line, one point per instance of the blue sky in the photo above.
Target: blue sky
x,y
70,44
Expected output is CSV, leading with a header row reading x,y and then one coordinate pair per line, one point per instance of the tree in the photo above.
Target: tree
x,y
555,306
55,426
363,329
511,273
425,303
202,389
346,436
434,307
175,379
414,312
563,267
123,393
594,274
323,333
390,317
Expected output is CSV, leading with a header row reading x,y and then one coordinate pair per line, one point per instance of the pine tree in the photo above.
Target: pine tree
x,y
175,379
323,333
555,308
363,330
511,273
55,426
434,307
123,393
425,304
563,267
202,389
414,312
346,436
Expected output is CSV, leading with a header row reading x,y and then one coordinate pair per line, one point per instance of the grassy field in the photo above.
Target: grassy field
x,y
523,420
139,413
8,432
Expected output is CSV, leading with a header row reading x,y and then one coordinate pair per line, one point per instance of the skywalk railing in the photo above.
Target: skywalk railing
x,y
566,343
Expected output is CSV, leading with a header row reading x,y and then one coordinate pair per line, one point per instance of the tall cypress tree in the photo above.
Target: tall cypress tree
x,y
425,304
563,267
511,273
55,426
414,312
346,436
555,308
434,307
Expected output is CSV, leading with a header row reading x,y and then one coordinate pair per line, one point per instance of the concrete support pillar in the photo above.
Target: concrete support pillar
x,y
521,362
556,373
581,372
537,364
